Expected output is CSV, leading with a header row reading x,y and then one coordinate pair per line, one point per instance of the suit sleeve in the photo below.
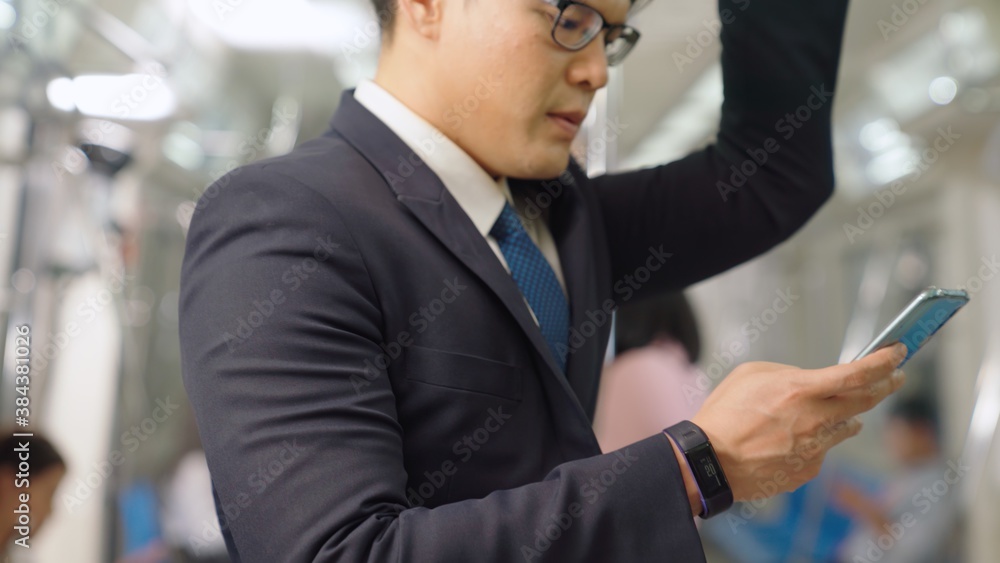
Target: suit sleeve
x,y
278,316
770,168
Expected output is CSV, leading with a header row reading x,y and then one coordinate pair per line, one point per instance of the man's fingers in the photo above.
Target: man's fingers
x,y
852,426
859,375
862,400
879,390
829,436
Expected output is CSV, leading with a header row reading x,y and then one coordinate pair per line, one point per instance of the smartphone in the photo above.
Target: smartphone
x,y
923,317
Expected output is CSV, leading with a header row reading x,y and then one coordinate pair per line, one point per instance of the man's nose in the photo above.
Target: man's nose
x,y
589,67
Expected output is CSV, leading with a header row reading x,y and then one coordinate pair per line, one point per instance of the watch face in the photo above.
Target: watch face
x,y
706,471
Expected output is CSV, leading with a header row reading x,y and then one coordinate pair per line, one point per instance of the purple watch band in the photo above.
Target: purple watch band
x,y
713,489
704,505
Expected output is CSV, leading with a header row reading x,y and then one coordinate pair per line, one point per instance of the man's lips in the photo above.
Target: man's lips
x,y
569,122
574,117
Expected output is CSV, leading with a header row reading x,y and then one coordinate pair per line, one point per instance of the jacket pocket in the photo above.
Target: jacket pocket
x,y
463,372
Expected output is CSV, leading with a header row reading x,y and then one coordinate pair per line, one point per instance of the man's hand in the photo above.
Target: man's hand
x,y
772,424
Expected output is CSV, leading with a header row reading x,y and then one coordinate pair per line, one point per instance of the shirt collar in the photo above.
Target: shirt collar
x,y
480,196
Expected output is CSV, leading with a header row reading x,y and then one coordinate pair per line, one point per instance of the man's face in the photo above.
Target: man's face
x,y
501,78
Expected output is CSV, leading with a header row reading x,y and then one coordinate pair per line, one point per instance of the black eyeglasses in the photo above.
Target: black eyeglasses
x,y
578,24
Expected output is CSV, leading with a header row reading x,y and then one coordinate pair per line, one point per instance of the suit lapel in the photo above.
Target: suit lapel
x,y
423,193
572,233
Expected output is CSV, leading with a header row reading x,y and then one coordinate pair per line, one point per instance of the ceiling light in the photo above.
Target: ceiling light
x,y
61,94
138,97
8,15
891,165
881,134
289,25
943,90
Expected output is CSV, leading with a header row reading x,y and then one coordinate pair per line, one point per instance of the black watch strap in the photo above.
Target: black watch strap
x,y
716,495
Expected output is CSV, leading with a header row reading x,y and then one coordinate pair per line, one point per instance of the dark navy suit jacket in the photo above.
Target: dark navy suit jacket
x,y
367,380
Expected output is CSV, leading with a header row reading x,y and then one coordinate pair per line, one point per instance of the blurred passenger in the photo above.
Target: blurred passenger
x,y
45,469
189,519
912,520
649,385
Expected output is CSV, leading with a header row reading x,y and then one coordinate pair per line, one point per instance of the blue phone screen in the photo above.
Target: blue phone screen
x,y
930,319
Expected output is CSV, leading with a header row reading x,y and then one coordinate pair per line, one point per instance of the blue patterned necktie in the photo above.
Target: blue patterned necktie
x,y
537,280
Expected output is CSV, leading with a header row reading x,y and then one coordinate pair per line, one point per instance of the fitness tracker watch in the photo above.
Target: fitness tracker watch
x,y
716,495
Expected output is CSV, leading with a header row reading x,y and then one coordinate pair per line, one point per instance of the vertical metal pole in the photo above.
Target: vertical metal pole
x,y
601,146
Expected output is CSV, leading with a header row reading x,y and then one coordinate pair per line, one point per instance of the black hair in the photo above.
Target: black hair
x,y
670,315
385,10
43,455
916,410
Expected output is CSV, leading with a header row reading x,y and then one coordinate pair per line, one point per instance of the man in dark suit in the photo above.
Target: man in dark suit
x,y
392,337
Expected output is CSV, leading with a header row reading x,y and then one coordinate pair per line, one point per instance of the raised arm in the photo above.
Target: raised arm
x,y
771,166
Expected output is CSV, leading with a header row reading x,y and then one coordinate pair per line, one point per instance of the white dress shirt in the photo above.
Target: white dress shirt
x,y
480,196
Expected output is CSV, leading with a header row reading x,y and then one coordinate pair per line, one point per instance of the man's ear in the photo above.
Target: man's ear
x,y
422,16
